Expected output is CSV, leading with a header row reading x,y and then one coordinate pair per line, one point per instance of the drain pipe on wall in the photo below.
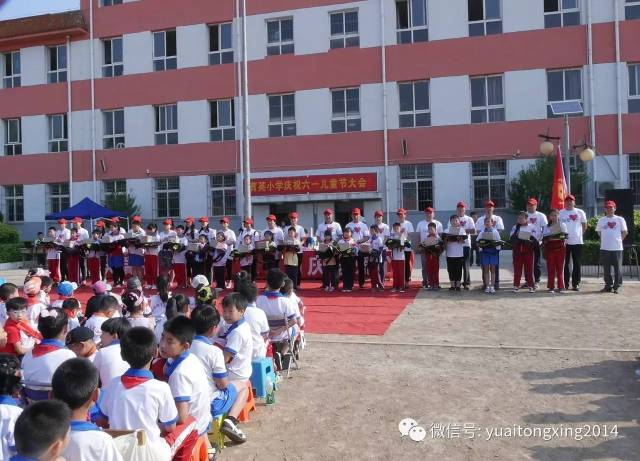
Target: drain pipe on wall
x,y
69,124
592,110
94,183
383,51
620,181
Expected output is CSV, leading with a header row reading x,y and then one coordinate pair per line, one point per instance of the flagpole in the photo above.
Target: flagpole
x,y
567,154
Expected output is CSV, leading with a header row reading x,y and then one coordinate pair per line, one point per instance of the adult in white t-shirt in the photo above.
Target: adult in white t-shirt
x,y
498,224
537,221
469,227
576,221
407,228
83,234
423,229
612,230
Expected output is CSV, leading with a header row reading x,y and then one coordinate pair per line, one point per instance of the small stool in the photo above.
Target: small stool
x,y
199,452
261,370
249,406
216,437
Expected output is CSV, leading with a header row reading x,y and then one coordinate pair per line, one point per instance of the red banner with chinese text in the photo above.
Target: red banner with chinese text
x,y
315,184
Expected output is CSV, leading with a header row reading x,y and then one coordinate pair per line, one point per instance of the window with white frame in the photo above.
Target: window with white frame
x,y
222,126
417,186
165,54
634,177
634,88
414,104
167,197
58,133
14,203
632,9
280,37
561,13
220,44
12,136
282,115
487,99
345,105
223,194
112,189
166,124
113,129
485,17
111,2
58,197
563,85
411,21
489,183
344,29
112,65
57,64
11,74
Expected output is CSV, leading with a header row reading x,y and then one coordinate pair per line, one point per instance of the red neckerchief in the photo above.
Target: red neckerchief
x,y
31,300
24,326
135,377
45,347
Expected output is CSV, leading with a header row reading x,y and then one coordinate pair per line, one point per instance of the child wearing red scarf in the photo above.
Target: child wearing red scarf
x,y
21,337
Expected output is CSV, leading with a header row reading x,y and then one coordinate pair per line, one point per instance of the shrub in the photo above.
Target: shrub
x,y
10,252
8,234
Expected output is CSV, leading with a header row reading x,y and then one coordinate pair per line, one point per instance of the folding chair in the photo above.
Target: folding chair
x,y
294,360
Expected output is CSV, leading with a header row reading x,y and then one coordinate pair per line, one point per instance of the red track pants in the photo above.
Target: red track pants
x,y
522,259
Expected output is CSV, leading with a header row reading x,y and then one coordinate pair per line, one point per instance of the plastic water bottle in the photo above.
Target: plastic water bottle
x,y
271,395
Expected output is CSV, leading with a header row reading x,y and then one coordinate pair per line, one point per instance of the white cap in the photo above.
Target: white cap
x,y
199,280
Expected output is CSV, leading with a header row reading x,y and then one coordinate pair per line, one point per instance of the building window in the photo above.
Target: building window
x,y
164,50
11,77
634,177
282,115
280,37
345,105
223,194
167,197
487,100
485,17
58,197
58,134
112,65
222,127
344,29
634,88
489,183
414,104
14,203
632,10
411,21
57,64
220,44
112,189
12,136
111,2
563,85
417,186
166,124
560,13
113,129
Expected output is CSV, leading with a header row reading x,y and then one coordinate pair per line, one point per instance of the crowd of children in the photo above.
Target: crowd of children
x,y
168,364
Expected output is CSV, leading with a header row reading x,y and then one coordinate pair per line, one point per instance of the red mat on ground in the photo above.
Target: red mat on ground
x,y
361,312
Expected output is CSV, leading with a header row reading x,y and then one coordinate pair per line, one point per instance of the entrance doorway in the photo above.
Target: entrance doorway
x,y
343,210
281,212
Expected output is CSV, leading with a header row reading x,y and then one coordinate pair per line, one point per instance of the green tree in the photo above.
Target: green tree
x,y
536,181
124,203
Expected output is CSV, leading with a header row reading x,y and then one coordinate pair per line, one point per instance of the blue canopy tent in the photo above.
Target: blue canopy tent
x,y
86,209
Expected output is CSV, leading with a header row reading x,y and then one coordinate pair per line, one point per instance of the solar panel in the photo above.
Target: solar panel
x,y
566,107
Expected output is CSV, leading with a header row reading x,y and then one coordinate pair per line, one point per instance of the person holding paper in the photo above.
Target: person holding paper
x,y
522,240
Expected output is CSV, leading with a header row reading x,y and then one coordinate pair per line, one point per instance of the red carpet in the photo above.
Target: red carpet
x,y
360,312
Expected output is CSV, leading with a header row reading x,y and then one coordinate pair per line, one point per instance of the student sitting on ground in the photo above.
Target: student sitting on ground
x,y
9,409
42,431
255,317
75,383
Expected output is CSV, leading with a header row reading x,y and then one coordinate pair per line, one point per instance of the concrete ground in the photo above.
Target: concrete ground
x,y
480,373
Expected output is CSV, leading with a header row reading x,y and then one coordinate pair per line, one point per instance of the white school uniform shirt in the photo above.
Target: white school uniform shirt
x,y
62,235
423,228
538,221
9,412
278,234
132,248
188,381
146,322
334,227
300,232
359,230
573,219
3,313
223,260
38,371
33,313
165,236
109,363
455,249
377,242
253,233
397,254
180,257
498,224
157,306
140,407
230,237
466,223
547,229
95,324
88,442
240,345
259,325
610,231
212,359
83,234
406,227
527,228
384,229
210,233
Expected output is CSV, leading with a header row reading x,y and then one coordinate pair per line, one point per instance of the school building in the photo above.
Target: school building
x,y
372,103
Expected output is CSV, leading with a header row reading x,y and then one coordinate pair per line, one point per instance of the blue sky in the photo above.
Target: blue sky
x,y
12,9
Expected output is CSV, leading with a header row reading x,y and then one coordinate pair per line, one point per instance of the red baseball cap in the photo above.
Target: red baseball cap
x,y
610,204
378,213
115,220
248,220
62,221
100,223
77,219
570,197
224,219
355,211
489,203
136,219
293,214
428,209
461,204
204,219
271,218
189,219
328,211
167,221
401,211
532,201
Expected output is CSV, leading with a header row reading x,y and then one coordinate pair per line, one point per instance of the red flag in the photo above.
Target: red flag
x,y
559,188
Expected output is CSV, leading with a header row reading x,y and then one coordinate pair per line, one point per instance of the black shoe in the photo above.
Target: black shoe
x,y
230,429
606,290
